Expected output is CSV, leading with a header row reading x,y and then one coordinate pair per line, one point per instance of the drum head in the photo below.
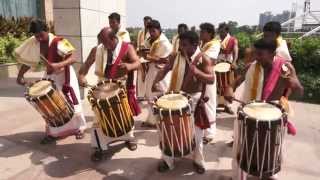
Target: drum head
x,y
172,101
262,111
40,88
222,67
106,90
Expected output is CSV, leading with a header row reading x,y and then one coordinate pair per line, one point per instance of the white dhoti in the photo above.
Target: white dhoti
x,y
78,122
141,79
164,85
211,106
197,154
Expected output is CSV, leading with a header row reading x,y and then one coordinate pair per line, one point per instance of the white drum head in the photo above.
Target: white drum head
x,y
262,111
40,88
222,67
107,90
172,101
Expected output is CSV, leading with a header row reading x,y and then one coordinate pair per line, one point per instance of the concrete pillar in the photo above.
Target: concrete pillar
x,y
80,21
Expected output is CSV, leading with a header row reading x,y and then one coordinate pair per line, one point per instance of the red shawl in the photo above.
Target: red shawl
x,y
54,57
111,73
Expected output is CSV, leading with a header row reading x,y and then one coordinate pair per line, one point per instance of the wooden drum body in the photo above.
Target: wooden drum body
x,y
49,102
175,125
110,104
224,76
261,128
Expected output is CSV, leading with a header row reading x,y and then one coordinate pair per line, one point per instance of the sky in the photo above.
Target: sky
x,y
193,12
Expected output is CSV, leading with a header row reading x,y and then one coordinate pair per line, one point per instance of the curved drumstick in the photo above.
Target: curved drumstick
x,y
44,59
234,99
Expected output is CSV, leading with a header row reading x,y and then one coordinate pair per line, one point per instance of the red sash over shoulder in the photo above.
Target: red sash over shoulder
x,y
111,73
54,57
273,78
230,46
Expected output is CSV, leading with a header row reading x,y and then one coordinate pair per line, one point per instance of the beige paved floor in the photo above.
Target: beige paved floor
x,y
22,157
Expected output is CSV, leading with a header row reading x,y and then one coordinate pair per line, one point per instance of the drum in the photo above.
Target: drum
x,y
49,102
110,104
224,76
175,125
261,130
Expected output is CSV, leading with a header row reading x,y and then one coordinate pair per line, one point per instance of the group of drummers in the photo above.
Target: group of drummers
x,y
183,83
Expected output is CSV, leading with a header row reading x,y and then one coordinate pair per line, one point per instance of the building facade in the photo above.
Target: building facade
x,y
268,16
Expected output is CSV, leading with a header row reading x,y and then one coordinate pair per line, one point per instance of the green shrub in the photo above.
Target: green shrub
x,y
17,27
306,55
311,86
7,45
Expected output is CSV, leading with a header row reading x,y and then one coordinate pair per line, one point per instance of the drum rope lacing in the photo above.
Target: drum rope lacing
x,y
243,141
164,132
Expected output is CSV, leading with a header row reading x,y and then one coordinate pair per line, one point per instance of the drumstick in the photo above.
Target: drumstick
x,y
89,85
44,59
234,99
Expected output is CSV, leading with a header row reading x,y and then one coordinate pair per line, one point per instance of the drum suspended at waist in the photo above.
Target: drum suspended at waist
x,y
175,125
224,76
110,104
261,132
49,102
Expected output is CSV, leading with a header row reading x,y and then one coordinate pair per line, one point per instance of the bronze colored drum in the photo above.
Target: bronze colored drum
x,y
175,125
224,76
49,102
261,131
110,104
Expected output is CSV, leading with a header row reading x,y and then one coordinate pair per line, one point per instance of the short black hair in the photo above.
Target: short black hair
x,y
182,25
154,24
223,26
37,25
147,18
272,26
264,44
115,16
208,27
190,36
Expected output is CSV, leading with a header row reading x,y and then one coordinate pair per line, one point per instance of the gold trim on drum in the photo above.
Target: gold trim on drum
x,y
52,105
113,113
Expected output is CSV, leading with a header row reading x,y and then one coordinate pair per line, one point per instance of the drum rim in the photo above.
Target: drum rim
x,y
222,61
94,100
157,109
29,97
283,116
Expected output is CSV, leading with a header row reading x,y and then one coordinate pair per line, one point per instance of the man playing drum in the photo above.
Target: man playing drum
x,y
272,31
143,45
229,53
114,59
57,54
160,49
192,71
269,78
210,47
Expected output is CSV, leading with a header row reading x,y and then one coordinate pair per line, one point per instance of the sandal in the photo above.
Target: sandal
x,y
207,140
198,168
79,135
132,146
97,156
48,140
163,167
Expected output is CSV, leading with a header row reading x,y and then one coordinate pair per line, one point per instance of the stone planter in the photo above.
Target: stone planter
x,y
8,70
